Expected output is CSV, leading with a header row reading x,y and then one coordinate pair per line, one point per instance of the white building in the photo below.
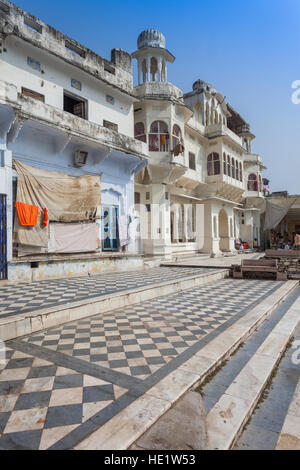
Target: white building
x,y
161,173
65,109
201,171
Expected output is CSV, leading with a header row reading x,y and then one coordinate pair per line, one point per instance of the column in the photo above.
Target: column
x,y
159,68
140,71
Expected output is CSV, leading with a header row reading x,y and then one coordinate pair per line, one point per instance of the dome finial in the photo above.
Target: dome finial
x,y
151,38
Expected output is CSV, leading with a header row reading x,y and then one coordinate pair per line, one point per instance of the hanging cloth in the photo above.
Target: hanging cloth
x,y
27,214
45,217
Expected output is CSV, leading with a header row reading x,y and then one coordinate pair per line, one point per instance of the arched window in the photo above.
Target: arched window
x,y
245,144
241,173
176,135
224,164
213,164
228,166
232,168
207,114
159,137
139,132
198,112
153,68
252,182
260,188
144,70
236,170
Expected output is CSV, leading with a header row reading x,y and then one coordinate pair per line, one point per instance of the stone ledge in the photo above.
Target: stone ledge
x,y
124,429
21,325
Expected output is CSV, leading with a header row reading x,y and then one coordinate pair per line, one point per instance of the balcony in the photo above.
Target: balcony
x,y
159,91
218,130
28,109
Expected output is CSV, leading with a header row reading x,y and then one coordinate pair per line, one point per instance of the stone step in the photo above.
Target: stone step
x,y
227,419
23,324
289,438
125,429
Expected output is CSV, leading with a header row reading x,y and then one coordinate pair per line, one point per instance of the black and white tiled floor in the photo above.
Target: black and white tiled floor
x,y
24,297
41,402
140,339
63,383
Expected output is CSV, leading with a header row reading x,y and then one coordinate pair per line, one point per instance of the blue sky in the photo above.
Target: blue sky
x,y
249,50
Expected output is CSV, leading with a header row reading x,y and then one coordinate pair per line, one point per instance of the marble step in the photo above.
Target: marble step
x,y
227,419
124,430
23,324
289,438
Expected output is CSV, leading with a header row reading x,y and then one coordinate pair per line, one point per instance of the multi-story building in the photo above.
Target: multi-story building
x,y
121,171
201,172
67,110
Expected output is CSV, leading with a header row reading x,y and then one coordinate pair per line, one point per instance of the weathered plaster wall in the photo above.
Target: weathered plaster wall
x,y
56,78
22,272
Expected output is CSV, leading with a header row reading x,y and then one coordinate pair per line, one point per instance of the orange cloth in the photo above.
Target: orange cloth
x,y
162,140
27,214
45,217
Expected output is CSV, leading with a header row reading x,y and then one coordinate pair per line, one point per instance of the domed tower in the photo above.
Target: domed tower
x,y
152,56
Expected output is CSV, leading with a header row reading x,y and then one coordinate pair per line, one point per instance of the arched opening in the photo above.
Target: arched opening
x,y
245,144
260,187
139,132
144,70
198,113
213,164
224,164
228,166
223,230
207,114
232,168
252,182
159,137
153,68
237,170
176,135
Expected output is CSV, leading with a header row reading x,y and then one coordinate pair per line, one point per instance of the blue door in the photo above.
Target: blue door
x,y
3,238
110,229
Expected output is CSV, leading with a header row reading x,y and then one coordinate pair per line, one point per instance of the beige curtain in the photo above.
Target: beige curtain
x,y
66,198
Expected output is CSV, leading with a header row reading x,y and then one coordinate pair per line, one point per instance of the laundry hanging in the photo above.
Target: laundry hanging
x,y
27,214
67,199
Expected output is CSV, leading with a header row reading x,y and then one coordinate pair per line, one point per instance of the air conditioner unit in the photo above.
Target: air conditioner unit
x,y
80,158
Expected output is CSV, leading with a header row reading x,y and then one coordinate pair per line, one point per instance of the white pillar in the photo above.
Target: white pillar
x,y
159,69
140,71
165,72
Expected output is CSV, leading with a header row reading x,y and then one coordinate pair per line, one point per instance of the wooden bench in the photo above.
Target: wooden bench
x,y
259,266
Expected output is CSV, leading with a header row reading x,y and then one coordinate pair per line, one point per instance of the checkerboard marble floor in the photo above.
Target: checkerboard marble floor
x,y
57,384
41,402
24,297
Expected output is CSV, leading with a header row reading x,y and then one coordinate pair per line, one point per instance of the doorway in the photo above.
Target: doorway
x,y
110,228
